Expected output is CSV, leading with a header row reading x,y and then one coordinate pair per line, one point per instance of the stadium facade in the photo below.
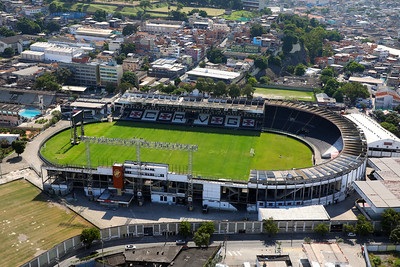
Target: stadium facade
x,y
327,182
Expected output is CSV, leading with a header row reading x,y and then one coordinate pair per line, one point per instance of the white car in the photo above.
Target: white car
x,y
130,247
351,234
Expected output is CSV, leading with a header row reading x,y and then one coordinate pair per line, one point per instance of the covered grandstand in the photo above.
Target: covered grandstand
x,y
381,142
327,182
26,97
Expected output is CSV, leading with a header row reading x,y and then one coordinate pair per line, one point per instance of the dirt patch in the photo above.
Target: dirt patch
x,y
22,237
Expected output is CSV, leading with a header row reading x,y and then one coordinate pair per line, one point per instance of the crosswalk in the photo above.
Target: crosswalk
x,y
234,253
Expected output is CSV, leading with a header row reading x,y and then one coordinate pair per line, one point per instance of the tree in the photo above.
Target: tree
x,y
129,29
27,26
18,146
234,91
395,235
355,90
201,84
257,30
100,15
177,81
216,56
118,15
6,32
354,67
270,226
123,87
202,64
390,127
321,229
349,228
265,80
129,77
300,70
9,52
63,75
89,235
261,62
252,81
363,227
220,88
120,58
201,239
127,48
46,82
41,39
248,91
207,227
144,4
203,13
184,228
110,89
53,26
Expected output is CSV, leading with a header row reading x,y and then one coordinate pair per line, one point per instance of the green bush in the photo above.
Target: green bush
x,y
376,260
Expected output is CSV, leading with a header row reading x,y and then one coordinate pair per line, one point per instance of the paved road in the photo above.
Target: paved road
x,y
30,156
239,248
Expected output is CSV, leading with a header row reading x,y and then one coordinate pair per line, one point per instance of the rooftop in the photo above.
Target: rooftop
x,y
372,130
378,193
324,254
308,213
213,73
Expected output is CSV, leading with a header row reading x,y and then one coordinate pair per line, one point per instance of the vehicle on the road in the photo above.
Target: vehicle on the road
x,y
351,234
205,209
180,242
130,247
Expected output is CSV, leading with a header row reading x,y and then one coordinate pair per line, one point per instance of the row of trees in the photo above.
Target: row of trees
x,y
202,236
27,26
337,90
389,121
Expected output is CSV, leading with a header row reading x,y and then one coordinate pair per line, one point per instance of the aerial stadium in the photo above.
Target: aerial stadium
x,y
227,154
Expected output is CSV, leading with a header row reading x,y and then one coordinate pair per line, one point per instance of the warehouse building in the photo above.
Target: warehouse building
x,y
381,142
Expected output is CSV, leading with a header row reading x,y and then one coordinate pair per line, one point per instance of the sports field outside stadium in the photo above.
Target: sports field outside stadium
x,y
222,153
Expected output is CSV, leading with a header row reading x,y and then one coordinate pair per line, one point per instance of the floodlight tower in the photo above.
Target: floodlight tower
x,y
139,144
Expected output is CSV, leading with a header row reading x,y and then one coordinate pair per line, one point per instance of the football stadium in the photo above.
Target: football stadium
x,y
223,153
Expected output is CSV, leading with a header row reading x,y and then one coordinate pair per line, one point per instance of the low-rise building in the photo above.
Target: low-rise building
x,y
163,26
92,34
386,98
166,68
217,75
9,114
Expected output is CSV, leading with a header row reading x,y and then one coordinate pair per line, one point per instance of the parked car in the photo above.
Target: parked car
x,y
130,247
180,242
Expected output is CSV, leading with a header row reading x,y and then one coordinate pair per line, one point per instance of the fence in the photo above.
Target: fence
x,y
50,257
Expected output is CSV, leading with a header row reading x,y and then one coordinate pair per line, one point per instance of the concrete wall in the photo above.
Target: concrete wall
x,y
49,258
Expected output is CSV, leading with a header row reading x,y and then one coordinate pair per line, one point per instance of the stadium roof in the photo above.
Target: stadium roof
x,y
379,194
376,135
307,213
251,106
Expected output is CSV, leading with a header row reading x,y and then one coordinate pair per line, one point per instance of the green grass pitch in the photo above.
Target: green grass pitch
x,y
221,153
